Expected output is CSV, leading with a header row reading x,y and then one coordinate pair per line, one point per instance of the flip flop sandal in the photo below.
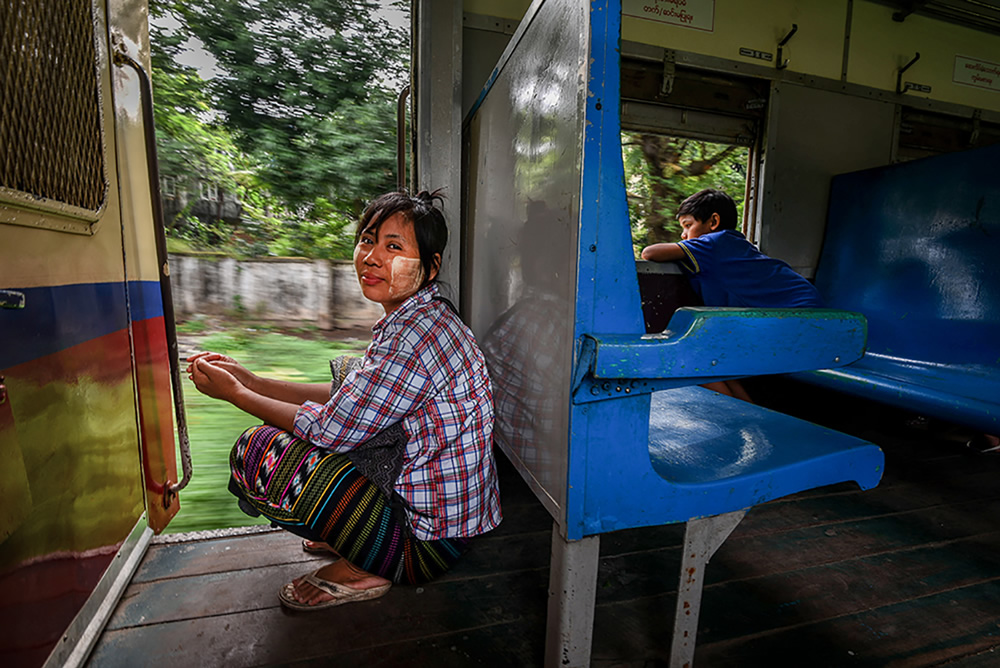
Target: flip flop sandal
x,y
341,593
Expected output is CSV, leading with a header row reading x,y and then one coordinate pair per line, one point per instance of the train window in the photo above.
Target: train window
x,y
661,170
52,146
684,130
168,187
209,191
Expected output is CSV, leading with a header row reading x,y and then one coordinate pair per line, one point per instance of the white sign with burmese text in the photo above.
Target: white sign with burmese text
x,y
978,73
697,14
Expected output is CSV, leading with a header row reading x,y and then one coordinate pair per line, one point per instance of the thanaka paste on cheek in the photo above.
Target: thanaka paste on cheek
x,y
405,276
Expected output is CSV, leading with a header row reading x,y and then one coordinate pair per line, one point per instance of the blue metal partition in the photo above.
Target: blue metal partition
x,y
612,436
549,249
553,296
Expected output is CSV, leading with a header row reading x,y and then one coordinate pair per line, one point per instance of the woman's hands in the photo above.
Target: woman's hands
x,y
213,379
273,401
245,377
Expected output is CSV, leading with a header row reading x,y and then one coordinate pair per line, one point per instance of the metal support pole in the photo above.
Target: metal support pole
x,y
702,538
401,138
436,104
572,593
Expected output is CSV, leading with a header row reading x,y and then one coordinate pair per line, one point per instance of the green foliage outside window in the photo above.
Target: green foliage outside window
x,y
298,125
661,171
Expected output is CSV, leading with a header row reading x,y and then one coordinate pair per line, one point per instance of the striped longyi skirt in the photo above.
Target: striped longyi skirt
x,y
320,495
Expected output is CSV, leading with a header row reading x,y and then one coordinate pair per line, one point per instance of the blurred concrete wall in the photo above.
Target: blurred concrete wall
x,y
296,291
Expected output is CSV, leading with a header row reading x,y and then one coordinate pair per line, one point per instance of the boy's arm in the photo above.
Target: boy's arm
x,y
663,253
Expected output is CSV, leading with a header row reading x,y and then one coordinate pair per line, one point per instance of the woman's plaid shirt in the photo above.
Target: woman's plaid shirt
x,y
423,367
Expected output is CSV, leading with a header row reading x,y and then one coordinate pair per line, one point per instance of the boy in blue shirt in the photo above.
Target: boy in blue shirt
x,y
727,270
723,267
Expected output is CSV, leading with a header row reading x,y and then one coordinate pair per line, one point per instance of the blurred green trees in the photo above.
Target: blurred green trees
x,y
661,171
298,122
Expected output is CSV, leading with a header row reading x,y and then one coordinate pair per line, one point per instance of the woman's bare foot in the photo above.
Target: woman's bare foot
x,y
342,572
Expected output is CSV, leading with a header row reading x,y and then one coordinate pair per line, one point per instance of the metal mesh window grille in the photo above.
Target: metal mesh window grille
x,y
51,144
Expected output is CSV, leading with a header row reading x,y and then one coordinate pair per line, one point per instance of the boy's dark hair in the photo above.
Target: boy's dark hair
x,y
421,209
704,203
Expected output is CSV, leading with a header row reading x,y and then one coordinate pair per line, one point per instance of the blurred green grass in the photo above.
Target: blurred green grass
x,y
213,425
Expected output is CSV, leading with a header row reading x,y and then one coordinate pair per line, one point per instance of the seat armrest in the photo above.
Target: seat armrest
x,y
716,343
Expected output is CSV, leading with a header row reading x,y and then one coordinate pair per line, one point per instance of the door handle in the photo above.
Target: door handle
x,y
122,59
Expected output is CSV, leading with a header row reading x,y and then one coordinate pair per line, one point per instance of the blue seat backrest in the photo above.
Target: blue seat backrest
x,y
915,247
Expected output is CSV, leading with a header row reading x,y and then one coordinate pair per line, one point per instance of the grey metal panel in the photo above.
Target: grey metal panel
x,y
813,135
437,87
522,227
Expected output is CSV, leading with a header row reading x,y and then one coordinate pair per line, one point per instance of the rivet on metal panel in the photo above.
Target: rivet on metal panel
x,y
593,247
715,362
837,358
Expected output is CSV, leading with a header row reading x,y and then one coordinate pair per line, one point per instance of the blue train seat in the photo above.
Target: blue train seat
x,y
710,454
605,422
706,458
915,248
745,455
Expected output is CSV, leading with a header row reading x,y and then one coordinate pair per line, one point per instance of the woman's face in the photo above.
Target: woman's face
x,y
388,263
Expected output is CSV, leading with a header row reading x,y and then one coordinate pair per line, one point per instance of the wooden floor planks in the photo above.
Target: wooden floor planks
x,y
907,574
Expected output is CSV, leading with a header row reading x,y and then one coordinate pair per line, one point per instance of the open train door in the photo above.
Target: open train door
x,y
86,431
